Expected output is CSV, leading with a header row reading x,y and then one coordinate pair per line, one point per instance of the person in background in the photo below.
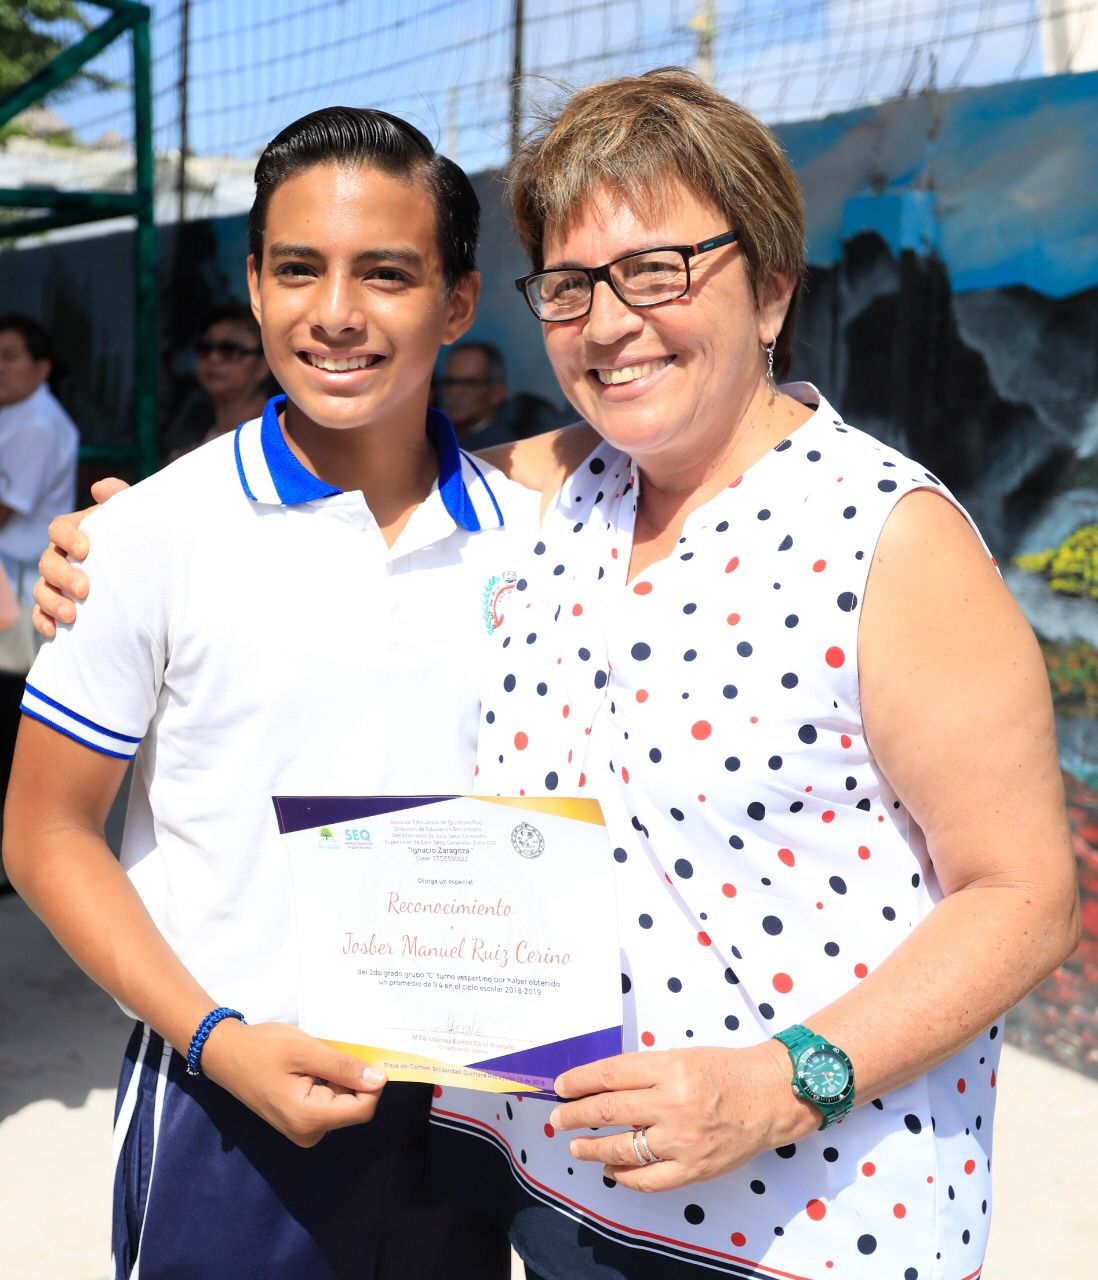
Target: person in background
x,y
38,452
473,394
233,378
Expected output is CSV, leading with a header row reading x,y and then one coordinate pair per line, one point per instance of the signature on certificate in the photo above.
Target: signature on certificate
x,y
469,1025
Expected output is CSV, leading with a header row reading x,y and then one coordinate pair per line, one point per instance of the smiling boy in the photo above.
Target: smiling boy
x,y
376,538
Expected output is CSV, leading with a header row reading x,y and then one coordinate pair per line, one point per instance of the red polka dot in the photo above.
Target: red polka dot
x,y
704,938
819,906
993,1079
624,774
829,1263
550,1132
735,483
732,565
815,1209
647,1038
860,970
569,756
729,890
738,1238
786,856
701,729
961,1086
863,852
733,619
819,566
828,815
583,780
846,740
577,609
970,1166
754,719
522,791
613,553
869,1168
642,695
899,1210
437,1091
701,799
880,817
642,588
566,711
783,983
807,789
834,657
930,1177
521,741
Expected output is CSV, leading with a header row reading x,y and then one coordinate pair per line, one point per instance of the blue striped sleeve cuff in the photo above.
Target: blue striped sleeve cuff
x,y
40,706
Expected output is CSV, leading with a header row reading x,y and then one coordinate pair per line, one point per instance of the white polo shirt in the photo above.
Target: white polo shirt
x,y
248,633
38,444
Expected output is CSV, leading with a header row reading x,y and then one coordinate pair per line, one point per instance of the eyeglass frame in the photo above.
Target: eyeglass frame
x,y
595,274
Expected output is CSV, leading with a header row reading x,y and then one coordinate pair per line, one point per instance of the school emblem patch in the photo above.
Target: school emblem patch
x,y
498,586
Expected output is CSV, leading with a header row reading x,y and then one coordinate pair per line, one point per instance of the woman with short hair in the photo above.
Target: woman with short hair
x,y
780,655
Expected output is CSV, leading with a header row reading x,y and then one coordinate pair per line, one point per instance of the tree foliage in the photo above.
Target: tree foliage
x,y
32,34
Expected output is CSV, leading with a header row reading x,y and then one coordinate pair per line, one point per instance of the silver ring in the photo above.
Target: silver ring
x,y
643,1151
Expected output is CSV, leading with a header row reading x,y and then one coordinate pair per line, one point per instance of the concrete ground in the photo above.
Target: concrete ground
x,y
60,1042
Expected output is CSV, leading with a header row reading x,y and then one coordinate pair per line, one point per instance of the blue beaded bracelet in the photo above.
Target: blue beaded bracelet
x,y
202,1034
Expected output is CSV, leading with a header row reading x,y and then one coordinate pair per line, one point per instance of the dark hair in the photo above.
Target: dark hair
x,y
363,136
493,357
38,342
235,313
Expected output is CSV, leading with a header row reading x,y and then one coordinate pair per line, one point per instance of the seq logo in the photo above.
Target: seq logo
x,y
350,838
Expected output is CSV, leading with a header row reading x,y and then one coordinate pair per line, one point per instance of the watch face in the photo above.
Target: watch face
x,y
825,1074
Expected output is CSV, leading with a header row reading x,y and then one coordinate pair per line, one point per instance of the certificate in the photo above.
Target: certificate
x,y
462,940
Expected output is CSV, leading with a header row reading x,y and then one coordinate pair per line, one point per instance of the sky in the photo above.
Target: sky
x,y
446,64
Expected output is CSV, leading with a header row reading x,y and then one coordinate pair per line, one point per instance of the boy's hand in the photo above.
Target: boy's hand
x,y
61,583
299,1085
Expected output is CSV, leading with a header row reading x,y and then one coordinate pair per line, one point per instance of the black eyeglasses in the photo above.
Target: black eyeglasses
x,y
643,279
230,351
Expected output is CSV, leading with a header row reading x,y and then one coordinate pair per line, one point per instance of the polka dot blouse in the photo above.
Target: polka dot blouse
x,y
763,864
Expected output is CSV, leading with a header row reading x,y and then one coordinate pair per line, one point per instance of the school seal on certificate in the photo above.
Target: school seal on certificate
x,y
527,841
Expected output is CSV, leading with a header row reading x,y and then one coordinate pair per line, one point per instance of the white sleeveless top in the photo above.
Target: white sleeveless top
x,y
764,866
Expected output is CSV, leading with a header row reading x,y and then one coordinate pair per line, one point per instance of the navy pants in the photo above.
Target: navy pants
x,y
204,1188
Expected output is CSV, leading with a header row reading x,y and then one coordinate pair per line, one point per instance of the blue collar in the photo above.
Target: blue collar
x,y
271,474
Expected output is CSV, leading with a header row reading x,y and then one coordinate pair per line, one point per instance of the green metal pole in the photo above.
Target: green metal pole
x,y
68,63
146,352
111,204
51,221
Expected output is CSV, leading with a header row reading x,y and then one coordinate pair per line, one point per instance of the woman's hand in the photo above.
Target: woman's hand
x,y
705,1111
61,583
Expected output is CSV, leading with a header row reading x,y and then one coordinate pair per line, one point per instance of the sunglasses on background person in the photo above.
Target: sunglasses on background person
x,y
224,350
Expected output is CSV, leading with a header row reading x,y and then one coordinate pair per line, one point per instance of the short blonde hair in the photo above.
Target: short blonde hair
x,y
645,135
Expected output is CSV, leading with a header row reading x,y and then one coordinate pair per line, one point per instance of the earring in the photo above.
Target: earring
x,y
770,360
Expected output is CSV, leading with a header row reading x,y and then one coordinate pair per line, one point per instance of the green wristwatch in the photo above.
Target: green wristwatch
x,y
822,1073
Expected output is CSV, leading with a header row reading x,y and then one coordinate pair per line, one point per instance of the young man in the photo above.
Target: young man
x,y
377,539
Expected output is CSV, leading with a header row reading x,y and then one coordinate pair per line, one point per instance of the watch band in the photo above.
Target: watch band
x,y
800,1040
